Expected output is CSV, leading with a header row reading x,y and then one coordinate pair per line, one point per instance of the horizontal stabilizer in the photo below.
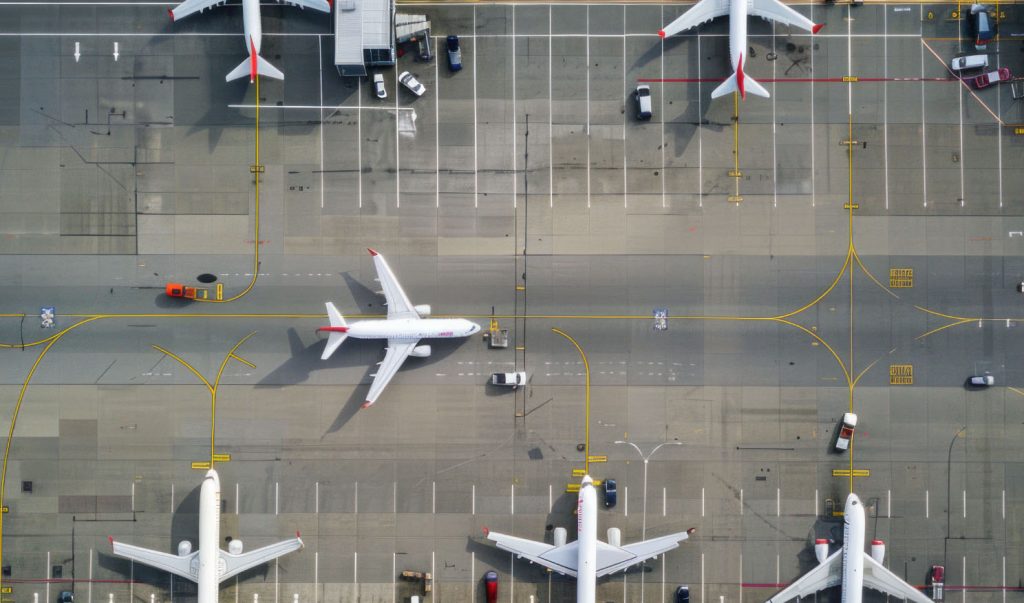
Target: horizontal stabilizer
x,y
732,85
262,67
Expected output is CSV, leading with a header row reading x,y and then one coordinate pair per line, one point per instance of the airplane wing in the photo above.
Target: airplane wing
x,y
397,352
233,565
175,564
611,559
824,575
561,559
188,7
399,305
320,5
773,10
702,12
878,578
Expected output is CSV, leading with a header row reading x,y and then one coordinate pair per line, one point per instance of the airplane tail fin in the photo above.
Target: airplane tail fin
x,y
251,66
338,332
740,82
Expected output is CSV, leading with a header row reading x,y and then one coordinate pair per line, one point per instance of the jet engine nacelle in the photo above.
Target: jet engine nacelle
x,y
184,548
560,536
877,550
821,549
614,537
420,351
423,310
235,547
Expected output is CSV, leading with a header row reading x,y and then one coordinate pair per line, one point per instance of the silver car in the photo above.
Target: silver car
x,y
413,84
378,86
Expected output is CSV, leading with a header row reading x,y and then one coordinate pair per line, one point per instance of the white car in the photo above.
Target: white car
x,y
409,81
846,431
982,380
512,380
378,86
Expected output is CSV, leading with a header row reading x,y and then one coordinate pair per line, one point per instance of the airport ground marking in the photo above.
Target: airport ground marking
x,y
212,388
586,367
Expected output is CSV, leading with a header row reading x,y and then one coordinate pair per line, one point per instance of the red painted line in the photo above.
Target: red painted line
x,y
839,80
919,587
66,581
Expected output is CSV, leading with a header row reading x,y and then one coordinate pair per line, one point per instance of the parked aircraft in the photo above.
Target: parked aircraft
x,y
404,327
706,10
253,32
850,567
587,558
208,566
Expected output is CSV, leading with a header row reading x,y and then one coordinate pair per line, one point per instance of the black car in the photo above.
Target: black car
x,y
454,53
683,594
611,493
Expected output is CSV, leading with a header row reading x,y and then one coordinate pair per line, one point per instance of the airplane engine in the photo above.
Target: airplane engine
x,y
821,549
877,550
420,351
614,537
560,536
235,547
184,548
423,310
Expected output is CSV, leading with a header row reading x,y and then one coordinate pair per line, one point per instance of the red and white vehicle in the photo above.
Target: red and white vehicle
x,y
846,431
993,77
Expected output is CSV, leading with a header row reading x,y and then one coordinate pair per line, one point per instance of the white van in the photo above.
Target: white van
x,y
644,110
972,61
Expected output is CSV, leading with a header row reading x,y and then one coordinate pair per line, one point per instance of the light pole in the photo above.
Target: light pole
x,y
646,459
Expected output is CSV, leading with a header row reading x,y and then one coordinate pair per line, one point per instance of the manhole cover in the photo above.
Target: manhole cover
x,y
206,278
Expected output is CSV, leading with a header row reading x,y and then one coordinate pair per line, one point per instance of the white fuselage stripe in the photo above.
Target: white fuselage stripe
x,y
209,539
412,329
586,564
853,551
737,31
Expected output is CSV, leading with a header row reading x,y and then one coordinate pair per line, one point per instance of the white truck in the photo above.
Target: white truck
x,y
512,380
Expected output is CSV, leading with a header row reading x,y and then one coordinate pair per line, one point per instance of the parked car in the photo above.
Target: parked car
x,y
972,61
993,77
985,380
611,493
683,594
378,86
981,23
454,53
846,431
938,579
66,596
409,81
491,586
644,110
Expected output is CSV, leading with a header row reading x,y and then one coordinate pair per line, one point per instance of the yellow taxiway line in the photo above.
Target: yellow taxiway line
x,y
586,367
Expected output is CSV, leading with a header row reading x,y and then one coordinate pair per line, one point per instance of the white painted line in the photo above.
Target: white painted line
x,y
926,514
316,576
924,137
1004,578
551,136
885,103
664,501
965,504
1004,504
512,500
960,116
359,107
515,133
46,572
133,497
394,497
472,572
172,499
511,578
849,57
355,568
700,127
394,564
741,571
433,497
813,194
775,156
316,497
320,58
89,590
277,581
625,93
476,153
625,498
778,497
999,140
702,502
359,145
550,498
277,499
815,502
777,579
588,107
231,34
888,506
398,152
963,578
702,578
355,497
472,500
437,131
741,501
433,563
662,103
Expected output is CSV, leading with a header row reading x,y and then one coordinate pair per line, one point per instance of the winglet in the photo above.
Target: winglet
x,y
661,33
111,540
487,531
691,531
817,27
367,404
372,252
171,13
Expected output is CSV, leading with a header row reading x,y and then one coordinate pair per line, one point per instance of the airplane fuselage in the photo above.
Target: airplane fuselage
x,y
853,550
253,25
737,31
412,329
586,528
208,576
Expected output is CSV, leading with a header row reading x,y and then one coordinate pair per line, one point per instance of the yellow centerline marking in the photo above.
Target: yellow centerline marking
x,y
586,366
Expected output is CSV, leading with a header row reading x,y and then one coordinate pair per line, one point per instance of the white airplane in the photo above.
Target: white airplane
x,y
706,10
208,566
850,566
404,327
587,558
253,32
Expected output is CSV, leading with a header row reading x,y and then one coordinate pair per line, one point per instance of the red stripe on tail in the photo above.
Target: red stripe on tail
x,y
253,66
739,78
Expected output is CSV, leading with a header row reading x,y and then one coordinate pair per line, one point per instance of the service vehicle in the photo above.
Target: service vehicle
x,y
967,62
982,25
454,53
378,86
993,77
846,431
683,594
491,586
938,579
985,380
644,109
409,81
512,380
179,290
611,493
